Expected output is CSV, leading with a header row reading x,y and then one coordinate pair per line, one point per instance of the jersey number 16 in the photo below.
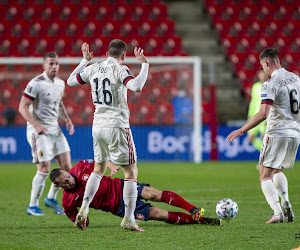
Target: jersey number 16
x,y
106,93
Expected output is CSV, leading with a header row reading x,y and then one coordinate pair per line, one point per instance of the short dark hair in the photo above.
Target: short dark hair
x,y
269,53
55,173
116,48
50,55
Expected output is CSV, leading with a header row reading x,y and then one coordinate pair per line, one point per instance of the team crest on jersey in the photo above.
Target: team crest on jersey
x,y
41,153
263,87
140,216
85,177
61,94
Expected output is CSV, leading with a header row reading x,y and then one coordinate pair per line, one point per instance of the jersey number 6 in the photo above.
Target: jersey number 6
x,y
294,102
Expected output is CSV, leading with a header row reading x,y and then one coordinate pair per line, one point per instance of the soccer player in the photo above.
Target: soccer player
x,y
280,104
256,134
112,136
109,197
41,105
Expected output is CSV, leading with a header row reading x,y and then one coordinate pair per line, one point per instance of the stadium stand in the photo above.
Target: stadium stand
x,y
245,32
27,29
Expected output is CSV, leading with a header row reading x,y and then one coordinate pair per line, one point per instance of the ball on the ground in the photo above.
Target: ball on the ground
x,y
227,209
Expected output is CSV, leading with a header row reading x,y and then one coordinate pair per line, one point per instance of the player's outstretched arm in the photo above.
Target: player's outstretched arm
x,y
75,78
253,122
138,82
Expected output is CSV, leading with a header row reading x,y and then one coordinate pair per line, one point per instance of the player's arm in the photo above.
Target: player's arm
x,y
254,121
75,78
137,83
64,115
25,102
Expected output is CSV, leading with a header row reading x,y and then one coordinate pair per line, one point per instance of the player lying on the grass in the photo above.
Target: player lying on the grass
x,y
109,197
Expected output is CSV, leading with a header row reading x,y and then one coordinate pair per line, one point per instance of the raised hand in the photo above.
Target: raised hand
x,y
87,55
138,52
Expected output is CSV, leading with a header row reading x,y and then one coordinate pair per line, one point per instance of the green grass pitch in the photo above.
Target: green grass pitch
x,y
203,185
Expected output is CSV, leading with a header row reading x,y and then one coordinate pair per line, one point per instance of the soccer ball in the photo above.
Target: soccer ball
x,y
227,209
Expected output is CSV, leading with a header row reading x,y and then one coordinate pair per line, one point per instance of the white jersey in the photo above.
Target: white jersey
x,y
46,96
108,81
282,91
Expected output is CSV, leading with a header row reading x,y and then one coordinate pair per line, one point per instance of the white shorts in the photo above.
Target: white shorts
x,y
279,152
46,147
115,144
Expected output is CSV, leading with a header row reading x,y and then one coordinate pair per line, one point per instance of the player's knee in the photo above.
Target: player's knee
x,y
157,214
44,167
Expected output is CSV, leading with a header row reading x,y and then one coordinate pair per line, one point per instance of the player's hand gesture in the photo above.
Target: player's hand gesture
x,y
113,168
138,52
234,134
87,55
70,127
40,129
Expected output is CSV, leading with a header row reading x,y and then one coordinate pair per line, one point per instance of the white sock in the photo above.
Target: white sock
x,y
281,184
53,192
91,189
38,184
271,195
130,196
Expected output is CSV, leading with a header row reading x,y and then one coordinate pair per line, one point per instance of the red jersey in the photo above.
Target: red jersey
x,y
107,198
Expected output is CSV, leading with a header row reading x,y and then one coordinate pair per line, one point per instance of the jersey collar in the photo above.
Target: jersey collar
x,y
111,59
47,78
275,71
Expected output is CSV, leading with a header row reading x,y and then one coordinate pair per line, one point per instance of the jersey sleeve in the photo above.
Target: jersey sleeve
x,y
70,207
32,90
125,75
268,93
78,76
135,84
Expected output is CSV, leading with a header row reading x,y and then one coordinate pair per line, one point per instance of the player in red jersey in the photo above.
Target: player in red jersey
x,y
109,197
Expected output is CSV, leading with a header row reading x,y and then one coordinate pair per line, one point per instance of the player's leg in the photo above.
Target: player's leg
x,y
280,180
91,188
271,158
122,152
179,218
38,185
101,138
41,155
130,193
171,198
61,150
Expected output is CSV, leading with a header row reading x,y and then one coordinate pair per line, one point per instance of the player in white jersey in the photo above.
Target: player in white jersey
x,y
280,105
112,136
41,105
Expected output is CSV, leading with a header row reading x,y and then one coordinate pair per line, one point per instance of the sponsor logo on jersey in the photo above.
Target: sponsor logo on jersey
x,y
85,177
264,95
140,216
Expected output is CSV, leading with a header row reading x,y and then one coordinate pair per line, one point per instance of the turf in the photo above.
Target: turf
x,y
203,185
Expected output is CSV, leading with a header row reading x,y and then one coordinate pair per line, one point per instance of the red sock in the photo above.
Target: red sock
x,y
180,218
175,200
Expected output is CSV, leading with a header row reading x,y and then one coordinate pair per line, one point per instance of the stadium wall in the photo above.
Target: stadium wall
x,y
153,143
